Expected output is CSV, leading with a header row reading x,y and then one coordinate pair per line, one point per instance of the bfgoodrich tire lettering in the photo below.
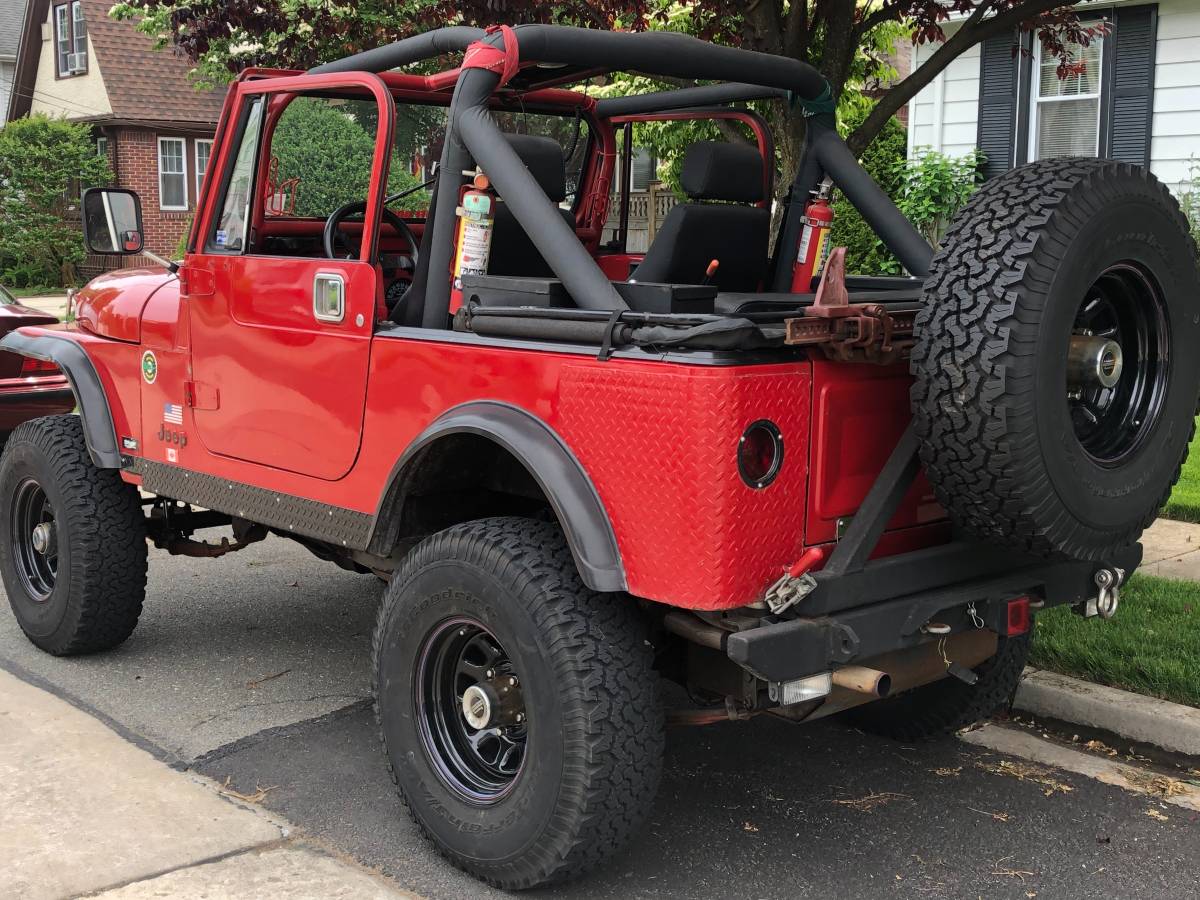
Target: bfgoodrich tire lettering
x,y
999,424
594,738
90,597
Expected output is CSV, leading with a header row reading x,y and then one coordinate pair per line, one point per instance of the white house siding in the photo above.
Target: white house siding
x,y
944,116
6,79
1175,135
77,97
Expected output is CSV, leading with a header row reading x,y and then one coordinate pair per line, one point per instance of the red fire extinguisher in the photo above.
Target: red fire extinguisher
x,y
476,218
814,239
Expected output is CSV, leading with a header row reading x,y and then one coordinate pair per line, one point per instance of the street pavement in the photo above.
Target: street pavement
x,y
252,671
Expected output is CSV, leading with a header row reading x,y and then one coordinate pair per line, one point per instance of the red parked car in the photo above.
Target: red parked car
x,y
29,388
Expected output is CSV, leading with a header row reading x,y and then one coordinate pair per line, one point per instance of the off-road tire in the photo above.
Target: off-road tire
x,y
595,723
950,704
990,399
100,584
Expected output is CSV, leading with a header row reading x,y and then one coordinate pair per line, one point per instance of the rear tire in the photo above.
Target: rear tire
x,y
948,705
1022,446
72,541
564,767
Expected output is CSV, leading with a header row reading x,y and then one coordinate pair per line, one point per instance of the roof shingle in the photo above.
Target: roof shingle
x,y
11,14
144,83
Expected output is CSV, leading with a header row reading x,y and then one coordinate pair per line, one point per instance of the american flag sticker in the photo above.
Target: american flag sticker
x,y
173,413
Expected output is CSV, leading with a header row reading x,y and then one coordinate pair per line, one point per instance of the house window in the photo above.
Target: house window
x,y
102,147
203,152
70,39
172,174
1066,111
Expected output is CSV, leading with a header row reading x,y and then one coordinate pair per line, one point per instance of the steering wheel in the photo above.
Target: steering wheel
x,y
358,207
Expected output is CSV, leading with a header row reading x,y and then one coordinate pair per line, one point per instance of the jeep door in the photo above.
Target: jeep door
x,y
280,332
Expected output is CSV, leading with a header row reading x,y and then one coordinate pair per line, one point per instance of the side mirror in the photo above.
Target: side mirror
x,y
112,221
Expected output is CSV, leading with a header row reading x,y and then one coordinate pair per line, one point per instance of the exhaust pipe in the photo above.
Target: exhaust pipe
x,y
693,629
862,680
912,668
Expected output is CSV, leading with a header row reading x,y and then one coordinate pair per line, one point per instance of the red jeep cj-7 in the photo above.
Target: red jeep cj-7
x,y
582,469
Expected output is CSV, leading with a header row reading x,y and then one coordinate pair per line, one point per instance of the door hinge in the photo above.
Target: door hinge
x,y
194,282
201,396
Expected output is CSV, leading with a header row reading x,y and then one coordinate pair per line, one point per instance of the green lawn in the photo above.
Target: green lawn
x,y
1185,499
1152,646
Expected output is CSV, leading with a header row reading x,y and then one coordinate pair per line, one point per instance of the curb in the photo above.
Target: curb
x,y
1168,726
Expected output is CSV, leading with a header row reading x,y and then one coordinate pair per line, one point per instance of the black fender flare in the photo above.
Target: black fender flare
x,y
68,355
548,460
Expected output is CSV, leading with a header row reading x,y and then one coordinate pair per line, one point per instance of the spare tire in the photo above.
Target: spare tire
x,y
1057,361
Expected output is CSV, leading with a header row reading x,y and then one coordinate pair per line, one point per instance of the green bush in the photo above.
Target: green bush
x,y
1189,199
330,148
44,165
884,159
934,186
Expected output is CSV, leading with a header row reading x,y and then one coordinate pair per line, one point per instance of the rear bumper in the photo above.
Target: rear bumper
x,y
857,616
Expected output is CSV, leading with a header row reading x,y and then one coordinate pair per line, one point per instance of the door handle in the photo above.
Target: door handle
x,y
329,297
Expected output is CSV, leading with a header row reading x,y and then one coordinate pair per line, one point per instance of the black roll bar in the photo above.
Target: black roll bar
x,y
473,137
417,48
683,98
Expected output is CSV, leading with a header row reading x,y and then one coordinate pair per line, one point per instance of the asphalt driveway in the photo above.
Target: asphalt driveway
x,y
253,668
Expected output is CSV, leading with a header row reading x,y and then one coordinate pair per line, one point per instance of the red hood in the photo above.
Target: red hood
x,y
110,305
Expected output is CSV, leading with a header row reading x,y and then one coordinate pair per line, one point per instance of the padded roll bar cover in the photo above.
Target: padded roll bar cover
x,y
717,170
685,98
544,160
68,355
664,53
554,238
402,53
547,458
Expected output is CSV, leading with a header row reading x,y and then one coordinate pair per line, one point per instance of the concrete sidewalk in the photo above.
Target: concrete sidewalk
x,y
83,811
55,304
1171,549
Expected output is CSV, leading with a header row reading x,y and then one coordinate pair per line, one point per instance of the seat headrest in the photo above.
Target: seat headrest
x,y
543,158
715,170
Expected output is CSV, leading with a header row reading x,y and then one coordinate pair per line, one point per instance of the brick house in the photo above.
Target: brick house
x,y
155,128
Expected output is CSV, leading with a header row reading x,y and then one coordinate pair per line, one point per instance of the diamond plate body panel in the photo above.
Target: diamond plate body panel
x,y
661,447
342,527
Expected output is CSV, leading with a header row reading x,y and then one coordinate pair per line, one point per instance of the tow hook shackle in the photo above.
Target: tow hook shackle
x,y
1108,595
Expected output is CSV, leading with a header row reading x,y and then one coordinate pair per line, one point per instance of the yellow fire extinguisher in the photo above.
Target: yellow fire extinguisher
x,y
476,219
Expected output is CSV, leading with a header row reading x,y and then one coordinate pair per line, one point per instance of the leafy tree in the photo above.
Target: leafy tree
x,y
934,186
884,158
44,165
329,148
223,36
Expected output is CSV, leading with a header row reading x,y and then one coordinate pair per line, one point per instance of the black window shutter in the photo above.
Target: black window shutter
x,y
997,103
1129,84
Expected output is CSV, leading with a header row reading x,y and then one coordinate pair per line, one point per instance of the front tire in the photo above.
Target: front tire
x,y
553,762
72,541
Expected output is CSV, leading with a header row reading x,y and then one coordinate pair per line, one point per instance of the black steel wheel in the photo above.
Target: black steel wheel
x,y
1118,360
34,540
518,709
72,540
1055,367
470,712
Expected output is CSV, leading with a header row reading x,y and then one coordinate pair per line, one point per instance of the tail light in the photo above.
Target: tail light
x,y
760,454
31,366
1018,616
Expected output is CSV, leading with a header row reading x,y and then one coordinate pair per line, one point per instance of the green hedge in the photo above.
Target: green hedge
x,y
883,159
